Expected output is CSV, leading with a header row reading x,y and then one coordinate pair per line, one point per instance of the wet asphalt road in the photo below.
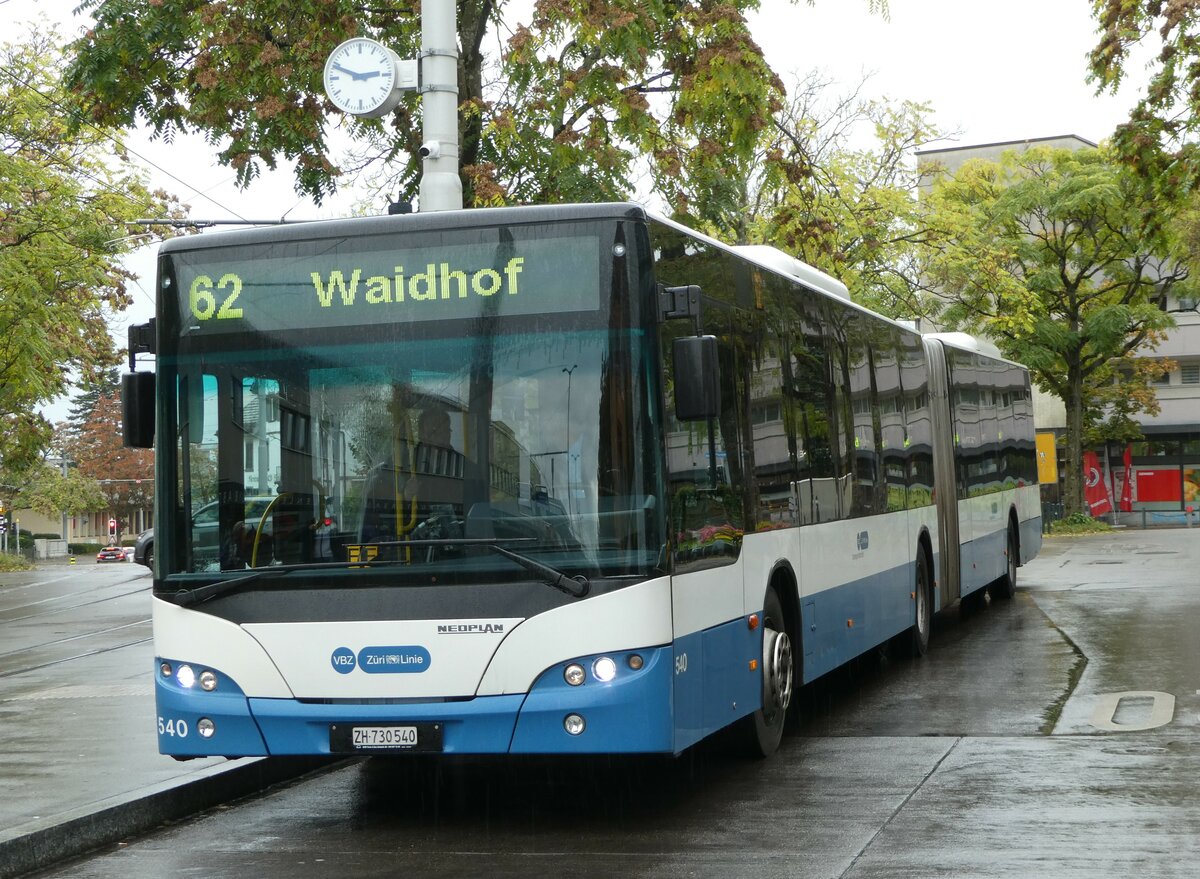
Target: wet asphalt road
x,y
1057,735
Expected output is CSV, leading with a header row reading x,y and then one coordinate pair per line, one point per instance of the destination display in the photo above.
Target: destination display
x,y
336,283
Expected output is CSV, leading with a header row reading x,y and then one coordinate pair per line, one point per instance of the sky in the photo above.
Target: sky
x,y
991,72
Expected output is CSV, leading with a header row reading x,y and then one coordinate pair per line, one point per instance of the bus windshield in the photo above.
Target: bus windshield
x,y
411,446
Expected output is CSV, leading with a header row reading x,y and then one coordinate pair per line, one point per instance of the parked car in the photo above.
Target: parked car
x,y
206,543
143,549
110,554
204,531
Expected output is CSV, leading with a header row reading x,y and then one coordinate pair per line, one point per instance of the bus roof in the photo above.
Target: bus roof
x,y
967,342
432,221
762,255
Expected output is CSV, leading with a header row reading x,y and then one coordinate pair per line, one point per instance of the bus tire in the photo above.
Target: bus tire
x,y
1006,586
762,731
918,635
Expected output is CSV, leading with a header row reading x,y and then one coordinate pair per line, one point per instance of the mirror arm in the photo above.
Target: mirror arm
x,y
675,303
141,341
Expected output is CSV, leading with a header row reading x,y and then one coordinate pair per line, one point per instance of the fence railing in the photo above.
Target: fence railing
x,y
1051,513
1188,518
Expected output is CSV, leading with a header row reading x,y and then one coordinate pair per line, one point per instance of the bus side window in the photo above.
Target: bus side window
x,y
810,398
893,486
918,425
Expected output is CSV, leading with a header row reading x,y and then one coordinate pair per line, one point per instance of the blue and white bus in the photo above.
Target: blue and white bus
x,y
550,480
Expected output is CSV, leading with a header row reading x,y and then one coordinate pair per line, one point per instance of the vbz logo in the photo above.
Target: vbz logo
x,y
343,660
863,540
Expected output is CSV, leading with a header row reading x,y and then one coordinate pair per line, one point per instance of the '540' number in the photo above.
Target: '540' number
x,y
203,299
172,727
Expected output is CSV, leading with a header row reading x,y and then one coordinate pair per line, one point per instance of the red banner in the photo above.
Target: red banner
x,y
1095,490
1127,483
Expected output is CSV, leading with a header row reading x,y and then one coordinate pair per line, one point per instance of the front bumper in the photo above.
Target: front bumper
x,y
632,713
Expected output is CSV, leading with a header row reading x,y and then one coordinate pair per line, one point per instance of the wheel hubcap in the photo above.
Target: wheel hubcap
x,y
777,670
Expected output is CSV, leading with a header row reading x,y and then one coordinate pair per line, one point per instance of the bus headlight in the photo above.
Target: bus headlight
x,y
574,724
573,674
186,677
206,728
604,669
208,681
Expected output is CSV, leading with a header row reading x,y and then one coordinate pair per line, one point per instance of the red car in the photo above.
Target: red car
x,y
110,554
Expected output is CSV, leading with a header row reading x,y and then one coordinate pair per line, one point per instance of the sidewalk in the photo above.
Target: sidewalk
x,y
79,767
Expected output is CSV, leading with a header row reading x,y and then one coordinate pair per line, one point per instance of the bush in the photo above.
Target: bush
x,y
10,562
47,536
84,548
1079,523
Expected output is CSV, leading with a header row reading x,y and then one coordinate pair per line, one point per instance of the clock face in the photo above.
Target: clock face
x,y
360,78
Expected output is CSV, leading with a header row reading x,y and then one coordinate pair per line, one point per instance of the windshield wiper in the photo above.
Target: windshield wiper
x,y
201,594
578,586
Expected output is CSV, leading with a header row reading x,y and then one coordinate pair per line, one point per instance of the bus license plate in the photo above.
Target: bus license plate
x,y
385,737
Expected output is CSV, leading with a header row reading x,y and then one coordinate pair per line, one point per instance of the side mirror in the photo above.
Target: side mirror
x,y
137,409
697,378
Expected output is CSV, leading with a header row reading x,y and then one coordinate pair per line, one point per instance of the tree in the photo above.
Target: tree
x,y
562,110
87,398
1158,141
1048,253
47,490
66,197
125,475
835,188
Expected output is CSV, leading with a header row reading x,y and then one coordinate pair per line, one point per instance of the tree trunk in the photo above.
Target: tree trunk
x,y
1073,500
472,23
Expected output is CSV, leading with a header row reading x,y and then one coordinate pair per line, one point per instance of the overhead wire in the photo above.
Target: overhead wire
x,y
73,114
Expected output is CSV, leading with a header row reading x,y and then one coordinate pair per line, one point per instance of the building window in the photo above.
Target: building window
x,y
1156,449
1189,373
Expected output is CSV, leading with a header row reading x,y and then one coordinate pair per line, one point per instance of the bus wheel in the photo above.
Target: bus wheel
x,y
918,635
763,730
1006,586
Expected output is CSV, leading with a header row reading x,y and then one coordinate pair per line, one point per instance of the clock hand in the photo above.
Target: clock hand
x,y
370,74
353,75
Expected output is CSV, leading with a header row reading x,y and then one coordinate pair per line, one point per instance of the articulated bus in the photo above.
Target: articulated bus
x,y
549,480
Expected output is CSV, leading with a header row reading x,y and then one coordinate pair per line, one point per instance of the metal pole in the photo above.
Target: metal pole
x,y
441,187
64,515
570,374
